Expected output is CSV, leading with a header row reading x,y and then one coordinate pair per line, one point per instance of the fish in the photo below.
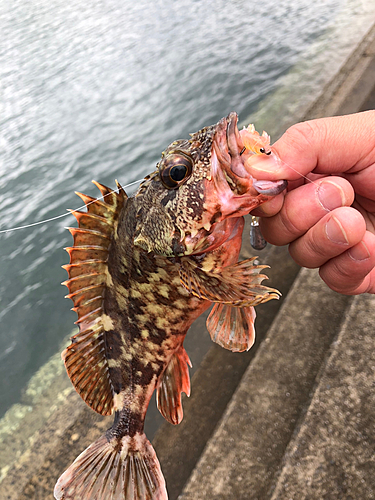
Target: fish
x,y
142,269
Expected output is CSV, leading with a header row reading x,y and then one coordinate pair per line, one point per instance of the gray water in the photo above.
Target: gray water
x,y
96,90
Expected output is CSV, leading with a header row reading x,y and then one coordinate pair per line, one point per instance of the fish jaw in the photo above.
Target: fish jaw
x,y
231,189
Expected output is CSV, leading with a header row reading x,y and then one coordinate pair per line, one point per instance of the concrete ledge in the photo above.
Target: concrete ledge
x,y
71,427
332,456
243,457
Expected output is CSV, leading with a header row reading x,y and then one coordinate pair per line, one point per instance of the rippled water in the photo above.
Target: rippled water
x,y
96,90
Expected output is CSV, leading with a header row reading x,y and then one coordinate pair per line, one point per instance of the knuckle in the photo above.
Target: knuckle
x,y
340,287
318,251
308,251
289,229
330,280
340,277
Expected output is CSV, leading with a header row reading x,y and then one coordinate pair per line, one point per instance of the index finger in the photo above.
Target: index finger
x,y
341,144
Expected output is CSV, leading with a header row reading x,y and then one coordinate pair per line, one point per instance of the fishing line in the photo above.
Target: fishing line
x,y
45,221
299,173
63,215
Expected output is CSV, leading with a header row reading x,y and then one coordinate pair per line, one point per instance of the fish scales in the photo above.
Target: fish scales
x,y
141,270
149,310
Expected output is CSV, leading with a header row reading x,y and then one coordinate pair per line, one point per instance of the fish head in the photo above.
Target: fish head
x,y
199,190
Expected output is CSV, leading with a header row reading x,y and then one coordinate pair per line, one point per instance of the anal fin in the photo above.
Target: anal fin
x,y
232,327
174,381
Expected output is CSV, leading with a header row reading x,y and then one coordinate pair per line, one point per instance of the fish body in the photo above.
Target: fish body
x,y
141,270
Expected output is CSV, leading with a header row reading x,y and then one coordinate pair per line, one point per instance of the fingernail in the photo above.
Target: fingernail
x,y
336,232
359,252
330,195
263,163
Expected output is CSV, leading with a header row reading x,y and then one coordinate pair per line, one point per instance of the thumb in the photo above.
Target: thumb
x,y
324,146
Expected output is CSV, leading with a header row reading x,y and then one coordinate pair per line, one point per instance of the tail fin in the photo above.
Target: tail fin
x,y
120,469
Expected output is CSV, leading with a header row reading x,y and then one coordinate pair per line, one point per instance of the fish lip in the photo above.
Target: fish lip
x,y
235,146
269,188
227,146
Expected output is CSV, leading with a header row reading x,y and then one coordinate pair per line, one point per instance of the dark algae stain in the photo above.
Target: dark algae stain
x,y
144,270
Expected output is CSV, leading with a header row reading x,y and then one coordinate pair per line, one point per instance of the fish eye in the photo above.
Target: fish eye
x,y
178,172
175,169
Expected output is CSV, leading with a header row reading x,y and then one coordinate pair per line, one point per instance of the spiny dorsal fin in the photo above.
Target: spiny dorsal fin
x,y
85,359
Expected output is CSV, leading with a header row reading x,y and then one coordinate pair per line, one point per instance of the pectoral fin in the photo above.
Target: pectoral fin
x,y
232,327
238,285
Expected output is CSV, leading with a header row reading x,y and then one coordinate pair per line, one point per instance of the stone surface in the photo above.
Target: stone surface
x,y
332,457
352,87
69,429
243,456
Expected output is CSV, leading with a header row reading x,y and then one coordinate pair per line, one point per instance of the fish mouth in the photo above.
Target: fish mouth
x,y
270,188
229,169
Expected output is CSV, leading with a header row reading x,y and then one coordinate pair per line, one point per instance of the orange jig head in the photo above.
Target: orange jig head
x,y
254,142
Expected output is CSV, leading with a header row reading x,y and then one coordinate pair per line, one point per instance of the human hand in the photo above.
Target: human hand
x,y
329,223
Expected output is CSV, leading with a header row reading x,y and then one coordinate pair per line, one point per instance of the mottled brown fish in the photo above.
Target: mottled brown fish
x,y
141,270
